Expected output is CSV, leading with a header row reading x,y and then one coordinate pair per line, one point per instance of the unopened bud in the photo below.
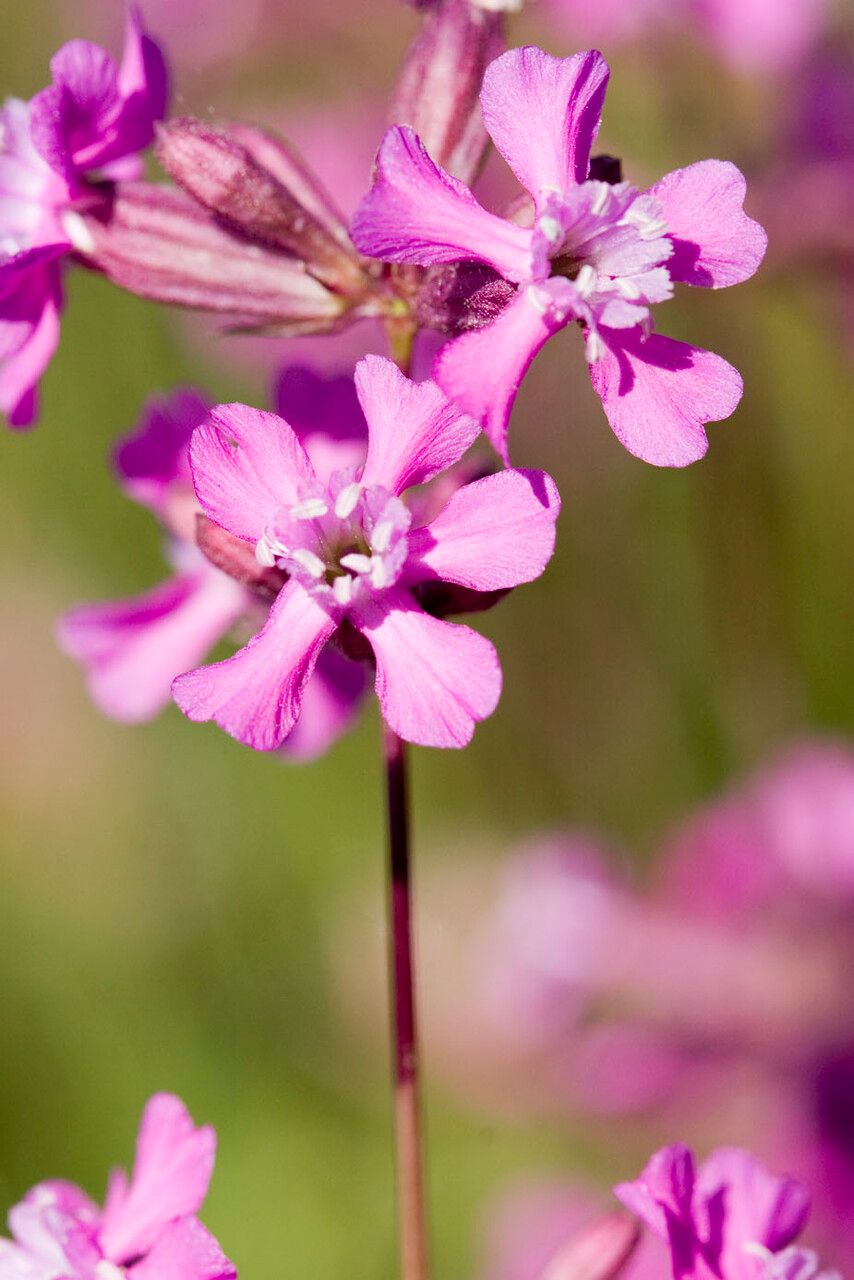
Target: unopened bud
x,y
438,92
158,243
225,176
599,1252
237,558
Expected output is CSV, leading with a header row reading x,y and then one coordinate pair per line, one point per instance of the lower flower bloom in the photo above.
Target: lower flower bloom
x,y
146,1230
359,566
132,649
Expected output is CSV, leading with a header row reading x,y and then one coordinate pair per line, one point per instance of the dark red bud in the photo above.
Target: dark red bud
x,y
226,177
237,558
159,243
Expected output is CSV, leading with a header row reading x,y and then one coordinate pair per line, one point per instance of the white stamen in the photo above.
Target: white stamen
x,y
550,228
264,553
627,287
309,509
307,560
379,574
585,281
106,1270
346,501
342,589
600,200
358,563
381,536
594,347
540,299
77,231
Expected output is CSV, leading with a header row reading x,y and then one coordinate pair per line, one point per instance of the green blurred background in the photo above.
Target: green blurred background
x,y
171,904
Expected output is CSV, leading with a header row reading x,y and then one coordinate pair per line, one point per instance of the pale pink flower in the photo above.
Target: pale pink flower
x,y
598,254
729,1219
147,1228
357,561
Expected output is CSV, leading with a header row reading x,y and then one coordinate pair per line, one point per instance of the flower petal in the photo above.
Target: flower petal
x,y
657,394
185,1251
715,243
543,114
155,454
435,680
493,533
171,1173
133,649
53,1221
664,1189
256,695
326,416
330,702
414,432
506,348
415,212
246,464
760,1208
29,336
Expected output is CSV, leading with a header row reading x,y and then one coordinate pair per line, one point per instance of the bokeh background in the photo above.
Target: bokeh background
x,y
178,913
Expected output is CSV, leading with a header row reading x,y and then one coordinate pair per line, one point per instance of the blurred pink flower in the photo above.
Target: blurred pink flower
x,y
762,36
355,564
147,1228
133,649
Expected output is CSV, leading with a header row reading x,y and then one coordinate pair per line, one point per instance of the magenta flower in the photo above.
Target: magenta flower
x,y
357,562
94,117
597,254
728,1220
133,649
147,1229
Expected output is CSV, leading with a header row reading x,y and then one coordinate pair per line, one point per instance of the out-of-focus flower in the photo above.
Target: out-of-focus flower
x,y
598,254
147,1228
133,649
356,562
731,1219
750,35
94,117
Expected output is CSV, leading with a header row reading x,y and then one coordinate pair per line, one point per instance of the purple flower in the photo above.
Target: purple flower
x,y
728,1220
594,253
133,649
146,1230
95,116
357,560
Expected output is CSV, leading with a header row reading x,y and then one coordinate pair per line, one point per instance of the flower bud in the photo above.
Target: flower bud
x,y
230,179
158,243
236,558
599,1252
438,92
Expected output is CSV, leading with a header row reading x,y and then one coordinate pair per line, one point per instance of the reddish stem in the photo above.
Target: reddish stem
x,y
408,1141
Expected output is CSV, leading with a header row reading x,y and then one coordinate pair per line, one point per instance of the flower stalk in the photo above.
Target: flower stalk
x,y
412,1217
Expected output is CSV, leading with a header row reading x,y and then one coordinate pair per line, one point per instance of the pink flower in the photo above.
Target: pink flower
x,y
728,1220
95,116
133,649
598,254
147,1229
357,562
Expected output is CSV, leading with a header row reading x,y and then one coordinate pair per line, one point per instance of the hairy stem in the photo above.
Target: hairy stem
x,y
408,1139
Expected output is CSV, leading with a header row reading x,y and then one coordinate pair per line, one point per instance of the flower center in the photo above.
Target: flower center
x,y
343,542
599,254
